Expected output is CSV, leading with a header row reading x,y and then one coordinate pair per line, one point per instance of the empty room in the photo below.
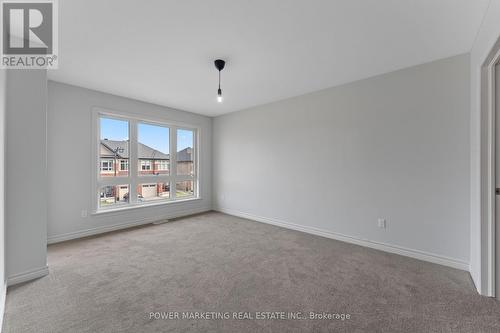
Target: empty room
x,y
250,166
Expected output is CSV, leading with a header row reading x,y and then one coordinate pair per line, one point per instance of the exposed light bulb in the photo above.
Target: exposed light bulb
x,y
219,95
219,64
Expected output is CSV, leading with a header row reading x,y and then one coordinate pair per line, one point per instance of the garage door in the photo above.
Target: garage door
x,y
148,190
122,191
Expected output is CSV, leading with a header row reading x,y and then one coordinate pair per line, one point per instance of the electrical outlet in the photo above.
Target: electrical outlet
x,y
381,223
84,213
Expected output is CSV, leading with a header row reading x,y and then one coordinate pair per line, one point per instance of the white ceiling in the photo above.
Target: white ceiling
x,y
163,51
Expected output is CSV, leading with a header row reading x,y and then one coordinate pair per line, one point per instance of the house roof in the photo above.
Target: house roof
x,y
144,152
185,155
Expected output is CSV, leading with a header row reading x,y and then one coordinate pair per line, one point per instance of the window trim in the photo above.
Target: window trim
x,y
125,162
134,178
145,163
108,161
160,168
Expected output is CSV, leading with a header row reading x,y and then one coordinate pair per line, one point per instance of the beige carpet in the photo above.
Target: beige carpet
x,y
223,264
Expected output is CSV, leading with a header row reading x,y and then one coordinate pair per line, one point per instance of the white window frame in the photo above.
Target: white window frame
x,y
135,178
163,165
144,164
125,163
107,160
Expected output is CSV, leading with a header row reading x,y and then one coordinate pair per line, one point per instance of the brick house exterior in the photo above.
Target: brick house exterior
x,y
114,161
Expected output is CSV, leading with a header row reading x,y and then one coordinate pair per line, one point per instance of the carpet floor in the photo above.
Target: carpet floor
x,y
220,273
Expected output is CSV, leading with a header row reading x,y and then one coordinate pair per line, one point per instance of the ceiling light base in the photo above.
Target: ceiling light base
x,y
219,64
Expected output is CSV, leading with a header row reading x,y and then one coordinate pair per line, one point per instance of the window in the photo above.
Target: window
x,y
144,165
123,165
113,146
127,143
185,143
162,165
113,196
106,165
153,148
184,189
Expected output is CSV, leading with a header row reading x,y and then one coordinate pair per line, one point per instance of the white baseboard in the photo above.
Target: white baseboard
x,y
3,297
425,256
27,276
119,226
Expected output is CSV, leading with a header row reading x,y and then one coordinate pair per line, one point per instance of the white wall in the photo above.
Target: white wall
x,y
486,38
3,105
70,172
26,170
395,146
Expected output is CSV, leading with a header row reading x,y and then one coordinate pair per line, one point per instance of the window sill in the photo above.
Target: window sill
x,y
153,204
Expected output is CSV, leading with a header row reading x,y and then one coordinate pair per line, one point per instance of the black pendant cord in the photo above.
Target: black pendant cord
x,y
219,64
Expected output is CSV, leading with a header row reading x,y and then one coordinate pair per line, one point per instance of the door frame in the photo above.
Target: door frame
x,y
487,170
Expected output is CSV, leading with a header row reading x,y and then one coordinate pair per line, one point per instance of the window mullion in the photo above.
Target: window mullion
x,y
133,161
112,181
195,162
96,125
173,160
181,178
154,179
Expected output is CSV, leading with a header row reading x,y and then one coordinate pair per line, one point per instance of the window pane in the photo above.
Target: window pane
x,y
113,196
153,149
184,189
152,192
113,148
123,165
185,152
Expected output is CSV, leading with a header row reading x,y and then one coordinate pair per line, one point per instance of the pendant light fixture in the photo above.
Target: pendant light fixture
x,y
219,64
